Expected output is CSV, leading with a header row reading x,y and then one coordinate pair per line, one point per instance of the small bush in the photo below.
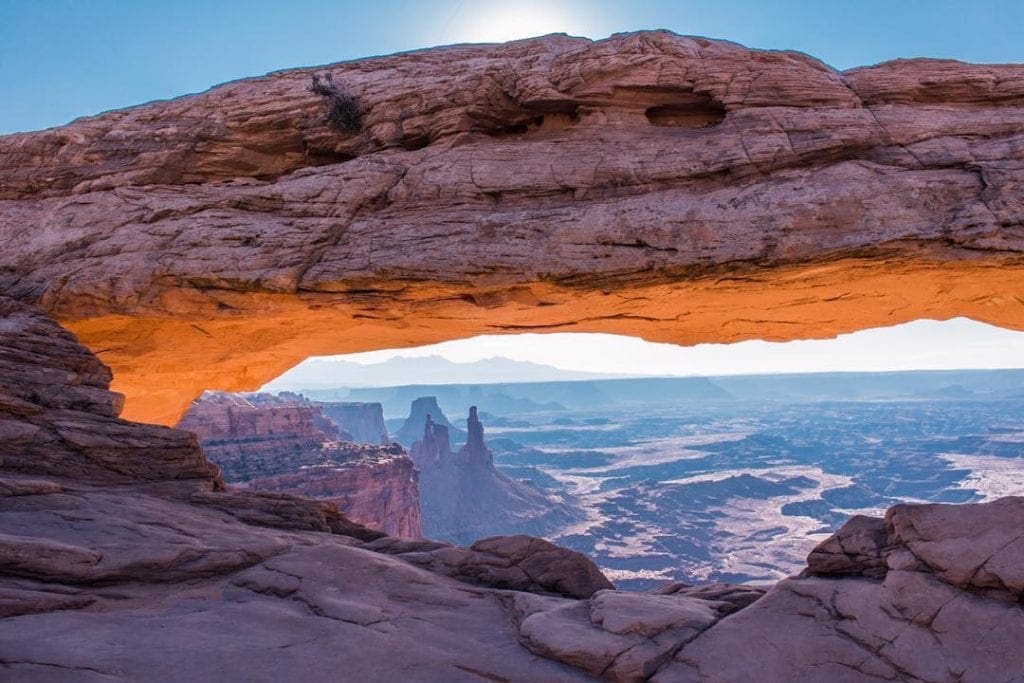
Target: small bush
x,y
343,109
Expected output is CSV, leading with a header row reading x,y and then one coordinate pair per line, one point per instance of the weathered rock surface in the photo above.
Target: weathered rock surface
x,y
139,573
675,188
286,445
464,497
117,584
858,548
520,562
616,636
58,416
378,489
135,572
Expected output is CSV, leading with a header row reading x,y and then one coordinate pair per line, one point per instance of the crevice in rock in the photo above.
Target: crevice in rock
x,y
703,112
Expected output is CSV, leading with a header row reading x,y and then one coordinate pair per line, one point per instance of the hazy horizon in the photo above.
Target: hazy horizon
x,y
957,344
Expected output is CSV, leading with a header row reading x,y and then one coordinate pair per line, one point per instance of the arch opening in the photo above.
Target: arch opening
x,y
716,462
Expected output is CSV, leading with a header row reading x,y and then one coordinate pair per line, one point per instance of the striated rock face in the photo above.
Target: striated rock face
x,y
463,496
676,188
680,189
115,540
263,442
364,422
222,417
376,487
931,593
58,417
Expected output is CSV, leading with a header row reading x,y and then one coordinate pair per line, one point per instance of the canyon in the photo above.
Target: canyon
x,y
273,443
675,188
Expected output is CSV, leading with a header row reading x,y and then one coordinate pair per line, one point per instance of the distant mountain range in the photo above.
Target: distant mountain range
x,y
510,398
320,373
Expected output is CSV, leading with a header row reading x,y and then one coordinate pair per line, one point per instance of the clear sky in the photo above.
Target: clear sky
x,y
60,59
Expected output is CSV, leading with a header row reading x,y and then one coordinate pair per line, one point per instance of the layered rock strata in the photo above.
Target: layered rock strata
x,y
679,189
263,442
58,416
676,188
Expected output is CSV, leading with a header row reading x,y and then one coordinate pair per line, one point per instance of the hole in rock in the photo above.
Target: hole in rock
x,y
701,114
541,119
714,462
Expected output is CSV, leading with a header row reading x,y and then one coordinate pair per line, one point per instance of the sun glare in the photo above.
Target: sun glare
x,y
492,23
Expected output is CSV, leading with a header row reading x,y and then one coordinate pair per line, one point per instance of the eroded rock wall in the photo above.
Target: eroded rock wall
x,y
127,533
267,443
58,416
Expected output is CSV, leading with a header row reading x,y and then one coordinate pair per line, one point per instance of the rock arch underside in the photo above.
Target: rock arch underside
x,y
678,189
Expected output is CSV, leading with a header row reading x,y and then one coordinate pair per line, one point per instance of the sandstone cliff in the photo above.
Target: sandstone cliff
x,y
463,496
263,442
363,421
676,188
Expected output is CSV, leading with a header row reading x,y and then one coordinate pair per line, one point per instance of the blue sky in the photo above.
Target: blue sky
x,y
60,59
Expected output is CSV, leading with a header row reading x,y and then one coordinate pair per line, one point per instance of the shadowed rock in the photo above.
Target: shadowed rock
x,y
549,184
519,562
857,549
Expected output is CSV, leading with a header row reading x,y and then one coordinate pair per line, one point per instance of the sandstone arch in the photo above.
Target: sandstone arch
x,y
214,240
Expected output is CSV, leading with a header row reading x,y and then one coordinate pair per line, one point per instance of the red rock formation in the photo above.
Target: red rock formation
x,y
464,497
262,442
58,416
475,452
434,447
220,417
377,491
675,188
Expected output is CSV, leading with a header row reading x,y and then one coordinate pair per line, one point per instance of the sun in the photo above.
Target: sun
x,y
502,22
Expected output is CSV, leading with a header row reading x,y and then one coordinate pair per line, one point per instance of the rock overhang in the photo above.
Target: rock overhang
x,y
675,188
